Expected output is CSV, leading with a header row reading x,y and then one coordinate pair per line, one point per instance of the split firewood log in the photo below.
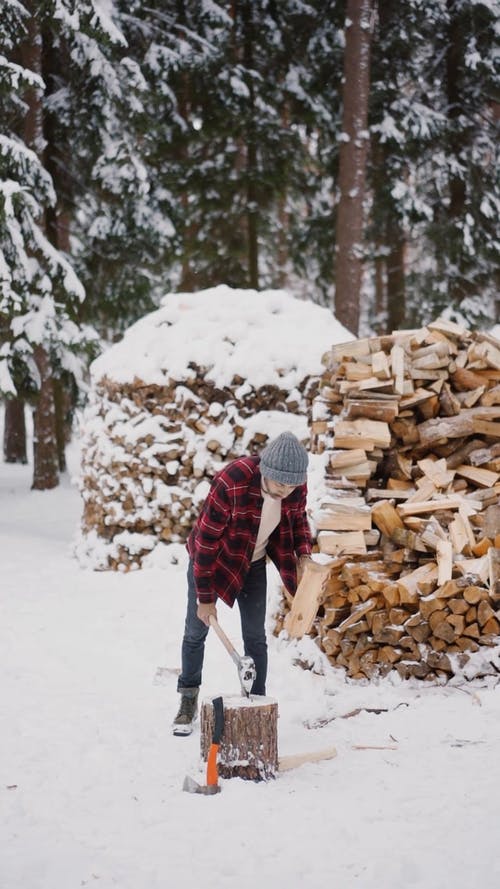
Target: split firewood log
x,y
433,495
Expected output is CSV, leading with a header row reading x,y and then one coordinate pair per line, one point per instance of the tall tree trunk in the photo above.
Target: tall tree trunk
x,y
352,163
14,432
45,457
396,305
188,280
282,251
379,322
57,218
62,415
380,306
282,254
251,171
454,61
45,474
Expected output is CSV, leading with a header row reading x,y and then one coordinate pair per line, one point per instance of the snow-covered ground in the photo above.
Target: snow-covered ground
x,y
91,777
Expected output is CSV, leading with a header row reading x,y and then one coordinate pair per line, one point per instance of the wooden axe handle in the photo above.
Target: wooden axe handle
x,y
223,638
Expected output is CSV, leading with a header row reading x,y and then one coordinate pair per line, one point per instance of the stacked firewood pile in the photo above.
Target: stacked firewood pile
x,y
202,380
410,426
149,452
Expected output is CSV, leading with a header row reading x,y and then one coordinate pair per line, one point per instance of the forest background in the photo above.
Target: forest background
x,y
345,151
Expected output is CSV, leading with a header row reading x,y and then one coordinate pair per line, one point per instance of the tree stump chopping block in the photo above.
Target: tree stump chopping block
x,y
249,743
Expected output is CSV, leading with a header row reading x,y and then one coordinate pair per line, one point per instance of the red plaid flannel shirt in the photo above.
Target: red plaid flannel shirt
x,y
222,541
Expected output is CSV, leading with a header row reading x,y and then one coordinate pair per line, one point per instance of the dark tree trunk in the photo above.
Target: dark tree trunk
x,y
251,153
282,251
396,306
45,474
57,220
62,419
454,61
14,432
188,282
282,244
352,164
380,324
454,58
45,457
390,267
31,53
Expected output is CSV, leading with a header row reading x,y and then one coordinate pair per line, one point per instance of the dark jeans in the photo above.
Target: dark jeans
x,y
252,604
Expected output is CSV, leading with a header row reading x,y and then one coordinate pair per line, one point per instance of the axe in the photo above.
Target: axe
x,y
212,785
245,664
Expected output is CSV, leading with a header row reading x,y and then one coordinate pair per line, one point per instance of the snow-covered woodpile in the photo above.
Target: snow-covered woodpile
x,y
410,426
208,377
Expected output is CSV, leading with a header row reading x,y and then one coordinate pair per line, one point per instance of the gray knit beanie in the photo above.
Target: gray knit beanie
x,y
285,460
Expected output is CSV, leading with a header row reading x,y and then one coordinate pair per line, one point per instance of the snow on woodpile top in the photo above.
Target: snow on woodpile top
x,y
207,377
265,337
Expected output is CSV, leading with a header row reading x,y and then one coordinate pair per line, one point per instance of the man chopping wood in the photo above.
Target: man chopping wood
x,y
256,507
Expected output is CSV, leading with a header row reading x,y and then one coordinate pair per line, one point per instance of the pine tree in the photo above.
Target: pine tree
x,y
403,126
123,236
40,293
315,50
466,207
227,137
433,162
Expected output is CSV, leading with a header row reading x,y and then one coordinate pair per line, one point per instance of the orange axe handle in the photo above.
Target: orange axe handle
x,y
212,770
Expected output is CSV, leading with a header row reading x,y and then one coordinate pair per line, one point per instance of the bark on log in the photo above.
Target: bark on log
x,y
249,743
434,431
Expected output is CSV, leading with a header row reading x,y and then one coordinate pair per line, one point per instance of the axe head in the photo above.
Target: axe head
x,y
247,674
192,786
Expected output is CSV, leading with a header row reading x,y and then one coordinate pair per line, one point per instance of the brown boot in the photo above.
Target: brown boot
x,y
188,709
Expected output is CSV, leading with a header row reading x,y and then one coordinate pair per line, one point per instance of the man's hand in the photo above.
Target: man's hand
x,y
204,612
